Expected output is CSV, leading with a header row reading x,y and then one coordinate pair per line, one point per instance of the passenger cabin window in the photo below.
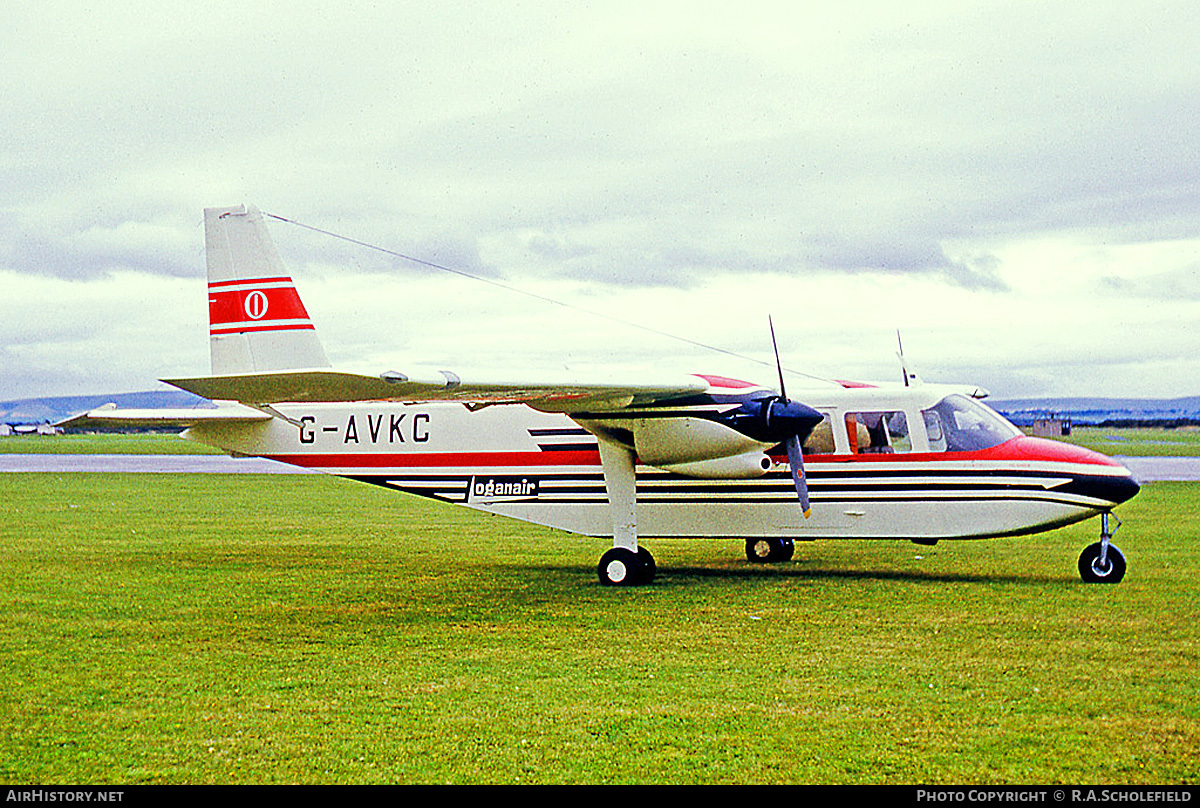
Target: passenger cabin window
x,y
878,432
820,440
959,424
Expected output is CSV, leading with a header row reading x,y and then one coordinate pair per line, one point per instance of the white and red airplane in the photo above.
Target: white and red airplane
x,y
694,456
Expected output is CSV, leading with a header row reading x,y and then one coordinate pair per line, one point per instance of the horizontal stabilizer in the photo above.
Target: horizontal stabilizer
x,y
109,416
319,385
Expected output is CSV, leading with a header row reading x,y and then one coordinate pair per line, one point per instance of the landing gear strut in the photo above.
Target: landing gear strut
x,y
1103,562
625,564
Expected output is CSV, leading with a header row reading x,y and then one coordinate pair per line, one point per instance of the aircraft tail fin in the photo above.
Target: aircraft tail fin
x,y
256,319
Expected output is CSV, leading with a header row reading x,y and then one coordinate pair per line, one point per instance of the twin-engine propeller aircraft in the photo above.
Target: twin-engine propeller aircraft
x,y
694,456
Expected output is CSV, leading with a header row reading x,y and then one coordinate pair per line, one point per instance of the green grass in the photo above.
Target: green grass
x,y
1138,441
110,443
247,629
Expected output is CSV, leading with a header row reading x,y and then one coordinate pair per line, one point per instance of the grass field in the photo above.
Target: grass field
x,y
1138,441
113,443
252,629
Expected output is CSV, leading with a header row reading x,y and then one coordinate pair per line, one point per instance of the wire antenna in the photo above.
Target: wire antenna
x,y
542,298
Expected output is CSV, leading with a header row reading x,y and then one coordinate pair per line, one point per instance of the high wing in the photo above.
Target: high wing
x,y
324,385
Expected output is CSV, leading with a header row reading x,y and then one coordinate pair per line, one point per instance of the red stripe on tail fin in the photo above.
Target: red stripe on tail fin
x,y
270,304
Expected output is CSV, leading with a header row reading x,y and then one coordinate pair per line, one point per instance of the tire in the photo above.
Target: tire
x,y
1091,571
620,567
769,550
787,548
649,568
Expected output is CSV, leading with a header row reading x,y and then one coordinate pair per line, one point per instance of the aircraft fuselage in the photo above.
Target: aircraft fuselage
x,y
882,464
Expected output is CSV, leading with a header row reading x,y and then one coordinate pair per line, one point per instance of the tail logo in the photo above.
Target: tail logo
x,y
256,305
242,306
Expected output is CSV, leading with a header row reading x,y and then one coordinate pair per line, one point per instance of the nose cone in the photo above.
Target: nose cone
x,y
1112,488
1121,489
1095,475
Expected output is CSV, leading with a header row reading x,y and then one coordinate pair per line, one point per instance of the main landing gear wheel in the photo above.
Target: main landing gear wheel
x,y
1096,570
769,550
649,568
1103,562
623,567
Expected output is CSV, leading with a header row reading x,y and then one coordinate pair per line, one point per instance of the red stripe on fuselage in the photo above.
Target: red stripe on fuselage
x,y
440,459
1016,449
1052,451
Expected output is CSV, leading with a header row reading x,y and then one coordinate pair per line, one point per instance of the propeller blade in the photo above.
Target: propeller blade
x,y
794,452
796,462
778,364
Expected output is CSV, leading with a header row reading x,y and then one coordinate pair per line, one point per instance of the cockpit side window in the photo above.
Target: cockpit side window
x,y
959,424
933,430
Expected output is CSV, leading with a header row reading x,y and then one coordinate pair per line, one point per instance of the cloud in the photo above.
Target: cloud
x,y
1180,284
716,159
84,244
114,333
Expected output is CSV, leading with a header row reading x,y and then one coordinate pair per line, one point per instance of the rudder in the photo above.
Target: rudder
x,y
257,321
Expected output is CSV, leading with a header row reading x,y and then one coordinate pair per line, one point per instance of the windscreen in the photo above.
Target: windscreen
x,y
960,424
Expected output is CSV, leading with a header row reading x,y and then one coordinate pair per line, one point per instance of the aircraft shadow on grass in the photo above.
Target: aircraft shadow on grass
x,y
681,576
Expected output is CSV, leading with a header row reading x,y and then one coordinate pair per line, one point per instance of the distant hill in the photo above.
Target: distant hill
x,y
41,410
1109,411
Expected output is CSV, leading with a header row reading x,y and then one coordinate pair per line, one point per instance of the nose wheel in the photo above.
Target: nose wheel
x,y
1103,562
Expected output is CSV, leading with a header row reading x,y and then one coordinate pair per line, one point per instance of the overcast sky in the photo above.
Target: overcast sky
x,y
1015,186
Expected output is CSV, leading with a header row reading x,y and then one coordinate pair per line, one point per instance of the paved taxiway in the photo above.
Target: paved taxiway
x,y
159,464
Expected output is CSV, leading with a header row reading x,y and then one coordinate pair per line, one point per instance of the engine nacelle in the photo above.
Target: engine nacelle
x,y
676,441
739,467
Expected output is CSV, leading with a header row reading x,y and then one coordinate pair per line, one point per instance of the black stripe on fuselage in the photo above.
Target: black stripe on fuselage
x,y
659,487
